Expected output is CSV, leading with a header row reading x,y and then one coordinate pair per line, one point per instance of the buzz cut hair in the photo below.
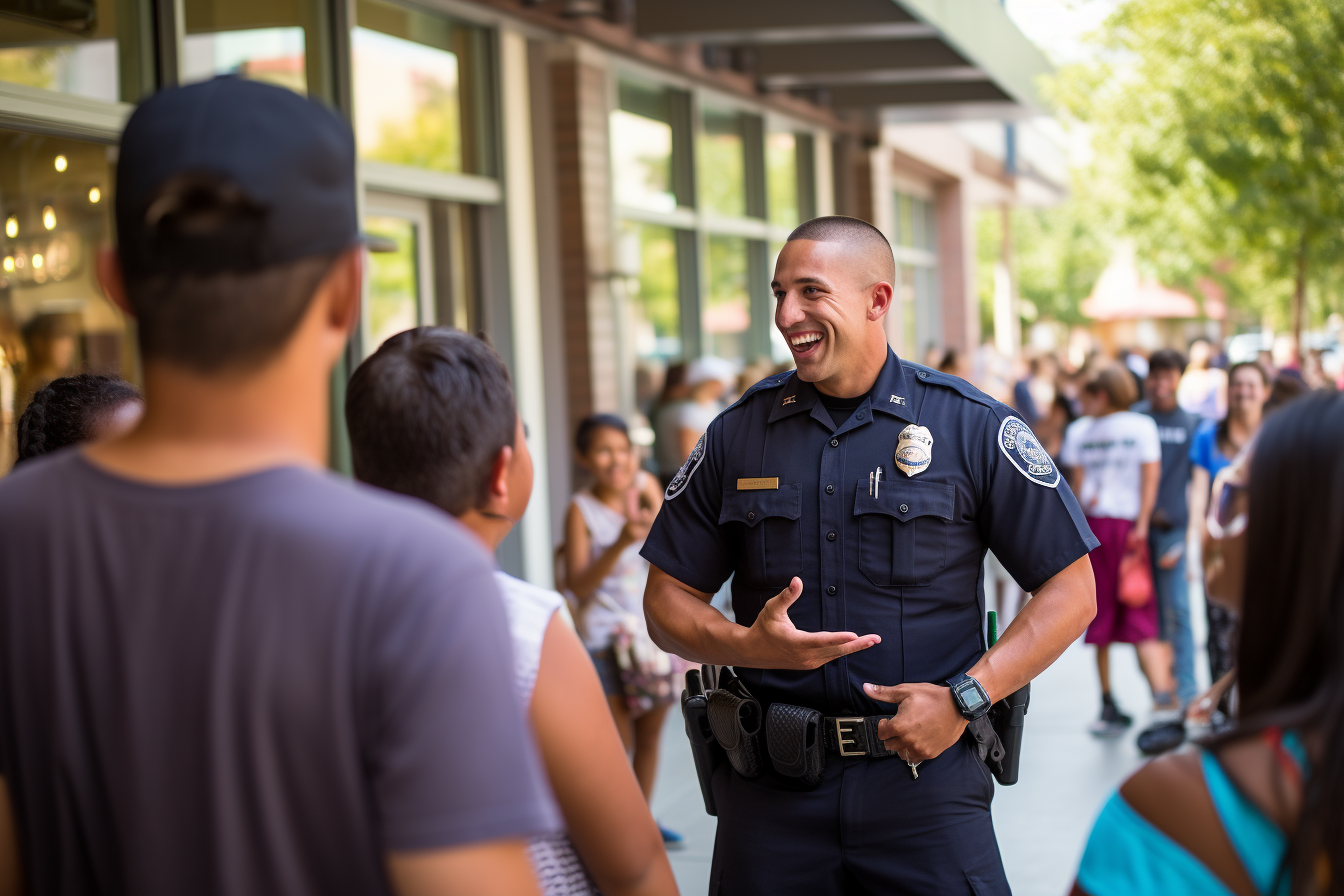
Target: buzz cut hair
x,y
856,233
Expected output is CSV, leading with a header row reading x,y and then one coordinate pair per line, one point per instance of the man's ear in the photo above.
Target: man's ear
x,y
497,491
112,279
879,300
345,281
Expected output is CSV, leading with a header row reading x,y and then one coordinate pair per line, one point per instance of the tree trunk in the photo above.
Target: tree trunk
x,y
1300,301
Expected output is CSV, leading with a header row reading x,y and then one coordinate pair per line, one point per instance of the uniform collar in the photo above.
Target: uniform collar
x,y
890,394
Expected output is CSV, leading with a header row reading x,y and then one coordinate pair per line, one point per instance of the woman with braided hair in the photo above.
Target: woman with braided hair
x,y
73,409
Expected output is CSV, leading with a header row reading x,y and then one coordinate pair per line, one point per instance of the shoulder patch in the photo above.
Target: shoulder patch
x,y
1020,445
683,477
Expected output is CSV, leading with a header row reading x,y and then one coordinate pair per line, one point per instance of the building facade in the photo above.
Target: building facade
x,y
600,186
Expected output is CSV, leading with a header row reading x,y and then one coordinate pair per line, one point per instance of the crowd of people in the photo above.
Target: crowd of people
x,y
355,699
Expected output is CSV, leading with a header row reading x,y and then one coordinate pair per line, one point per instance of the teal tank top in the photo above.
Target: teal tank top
x,y
1127,856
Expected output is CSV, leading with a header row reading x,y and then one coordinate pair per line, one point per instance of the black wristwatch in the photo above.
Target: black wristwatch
x,y
971,699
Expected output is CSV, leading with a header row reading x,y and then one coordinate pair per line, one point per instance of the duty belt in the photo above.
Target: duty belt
x,y
855,736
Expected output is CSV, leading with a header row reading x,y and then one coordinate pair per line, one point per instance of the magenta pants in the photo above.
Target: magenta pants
x,y
1115,622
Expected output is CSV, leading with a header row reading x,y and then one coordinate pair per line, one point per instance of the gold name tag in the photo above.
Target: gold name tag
x,y
753,484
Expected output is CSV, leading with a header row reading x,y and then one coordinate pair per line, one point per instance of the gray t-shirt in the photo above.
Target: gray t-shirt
x,y
1175,430
260,685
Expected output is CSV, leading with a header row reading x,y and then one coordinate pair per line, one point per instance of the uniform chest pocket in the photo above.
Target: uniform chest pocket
x,y
772,540
903,532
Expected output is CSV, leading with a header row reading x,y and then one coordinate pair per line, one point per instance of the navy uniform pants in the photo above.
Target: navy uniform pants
x,y
869,828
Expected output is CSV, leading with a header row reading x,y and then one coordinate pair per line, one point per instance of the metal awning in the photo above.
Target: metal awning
x,y
908,60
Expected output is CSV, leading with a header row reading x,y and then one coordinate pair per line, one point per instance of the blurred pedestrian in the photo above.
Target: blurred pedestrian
x,y
665,418
709,379
1256,811
51,348
1114,457
956,363
1203,388
1176,428
432,415
1035,394
225,671
605,527
1214,447
73,409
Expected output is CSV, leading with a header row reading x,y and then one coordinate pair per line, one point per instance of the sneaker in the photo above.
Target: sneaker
x,y
1112,722
1162,736
671,839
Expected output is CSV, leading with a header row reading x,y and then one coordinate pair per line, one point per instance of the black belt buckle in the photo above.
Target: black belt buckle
x,y
850,725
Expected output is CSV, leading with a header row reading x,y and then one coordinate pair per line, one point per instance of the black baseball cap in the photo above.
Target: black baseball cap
x,y
287,161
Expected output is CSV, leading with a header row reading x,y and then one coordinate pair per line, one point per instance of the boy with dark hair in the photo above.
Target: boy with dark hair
x,y
432,415
1166,535
223,671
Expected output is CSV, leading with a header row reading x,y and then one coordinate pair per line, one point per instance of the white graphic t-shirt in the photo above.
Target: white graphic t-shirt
x,y
1111,451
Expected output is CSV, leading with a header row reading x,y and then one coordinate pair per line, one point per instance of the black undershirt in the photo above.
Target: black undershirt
x,y
840,408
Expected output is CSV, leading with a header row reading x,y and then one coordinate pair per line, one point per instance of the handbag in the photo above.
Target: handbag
x,y
649,676
1136,578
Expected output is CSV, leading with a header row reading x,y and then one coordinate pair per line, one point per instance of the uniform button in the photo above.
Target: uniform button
x,y
905,508
751,515
830,489
835,443
830,590
830,536
923,374
859,415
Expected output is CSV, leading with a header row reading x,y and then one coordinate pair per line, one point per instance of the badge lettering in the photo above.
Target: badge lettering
x,y
1020,445
769,482
896,399
914,449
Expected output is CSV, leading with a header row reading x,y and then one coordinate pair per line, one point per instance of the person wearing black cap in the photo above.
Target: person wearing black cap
x,y
222,670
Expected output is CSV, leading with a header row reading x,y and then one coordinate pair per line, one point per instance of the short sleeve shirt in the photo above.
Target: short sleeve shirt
x,y
1204,451
1111,452
778,488
261,685
1176,431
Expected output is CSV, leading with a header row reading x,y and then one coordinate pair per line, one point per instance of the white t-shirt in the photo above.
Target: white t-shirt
x,y
1111,451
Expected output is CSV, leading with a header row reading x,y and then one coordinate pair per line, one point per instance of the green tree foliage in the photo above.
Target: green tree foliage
x,y
1222,126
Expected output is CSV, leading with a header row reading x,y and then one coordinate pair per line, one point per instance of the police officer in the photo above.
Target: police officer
x,y
853,500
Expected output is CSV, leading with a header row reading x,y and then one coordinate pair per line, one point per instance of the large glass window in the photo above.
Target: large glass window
x,y
412,96
394,283
649,257
722,172
781,177
726,317
641,148
55,198
915,241
69,46
258,39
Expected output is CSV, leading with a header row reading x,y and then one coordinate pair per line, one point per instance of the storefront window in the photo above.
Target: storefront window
x,y
409,72
55,199
258,39
722,171
394,288
915,222
727,310
649,257
641,149
70,47
781,171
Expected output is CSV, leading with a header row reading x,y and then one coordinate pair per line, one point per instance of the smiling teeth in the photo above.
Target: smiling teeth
x,y
805,339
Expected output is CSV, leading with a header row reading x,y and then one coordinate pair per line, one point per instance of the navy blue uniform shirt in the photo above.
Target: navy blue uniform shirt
x,y
905,563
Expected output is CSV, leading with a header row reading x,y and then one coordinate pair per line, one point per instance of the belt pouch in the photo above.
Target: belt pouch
x,y
1009,716
793,737
707,754
736,723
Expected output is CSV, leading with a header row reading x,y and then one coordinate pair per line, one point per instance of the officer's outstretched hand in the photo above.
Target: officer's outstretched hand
x,y
774,642
926,723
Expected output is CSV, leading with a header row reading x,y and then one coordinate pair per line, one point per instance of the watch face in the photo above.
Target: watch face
x,y
971,700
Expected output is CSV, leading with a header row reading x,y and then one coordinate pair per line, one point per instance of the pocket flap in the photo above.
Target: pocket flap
x,y
751,507
907,499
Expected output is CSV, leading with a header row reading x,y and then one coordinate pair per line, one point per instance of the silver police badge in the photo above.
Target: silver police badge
x,y
914,449
679,481
1020,445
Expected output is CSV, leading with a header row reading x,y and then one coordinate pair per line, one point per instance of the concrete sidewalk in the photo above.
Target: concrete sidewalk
x,y
1042,822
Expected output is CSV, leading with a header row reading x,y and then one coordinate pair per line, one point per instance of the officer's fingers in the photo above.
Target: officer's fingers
x,y
781,602
886,693
855,644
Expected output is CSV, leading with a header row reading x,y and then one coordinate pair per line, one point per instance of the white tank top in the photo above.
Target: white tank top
x,y
559,870
624,586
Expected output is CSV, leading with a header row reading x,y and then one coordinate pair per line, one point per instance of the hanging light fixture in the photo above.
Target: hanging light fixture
x,y
95,194
9,264
37,260
61,163
12,226
49,217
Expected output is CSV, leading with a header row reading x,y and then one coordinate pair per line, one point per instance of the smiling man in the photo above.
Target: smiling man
x,y
853,502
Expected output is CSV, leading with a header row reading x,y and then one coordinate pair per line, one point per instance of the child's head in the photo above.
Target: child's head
x,y
72,409
431,414
603,443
